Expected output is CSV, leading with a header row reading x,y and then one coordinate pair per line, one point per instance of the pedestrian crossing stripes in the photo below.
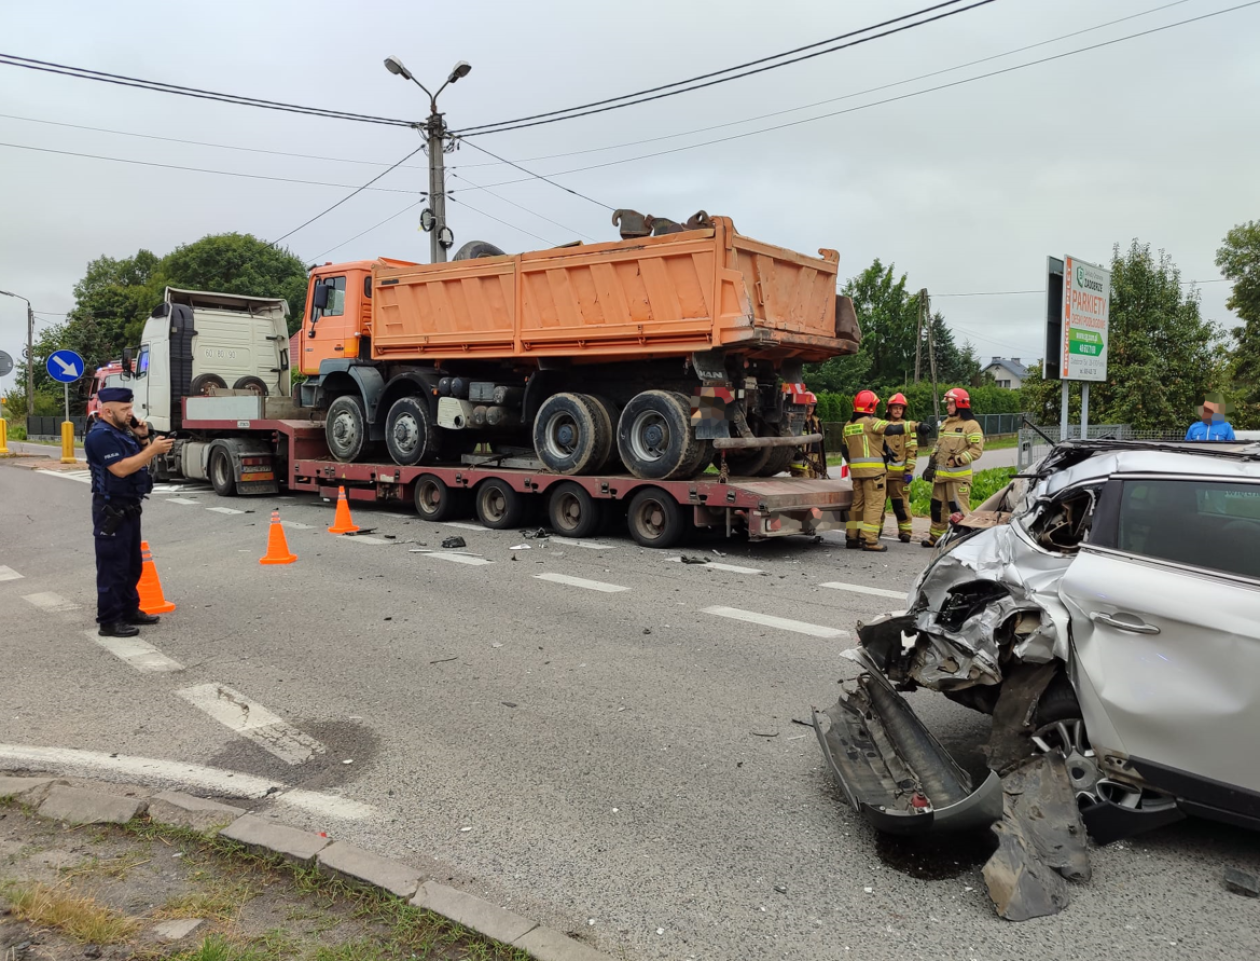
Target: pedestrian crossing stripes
x,y
780,623
136,653
254,722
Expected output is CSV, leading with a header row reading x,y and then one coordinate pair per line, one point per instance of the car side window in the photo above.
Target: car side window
x,y
142,362
1208,524
336,299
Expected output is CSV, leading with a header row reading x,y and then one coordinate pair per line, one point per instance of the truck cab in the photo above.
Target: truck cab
x,y
338,321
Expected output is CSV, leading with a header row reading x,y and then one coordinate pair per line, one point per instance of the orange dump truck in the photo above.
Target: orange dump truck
x,y
654,354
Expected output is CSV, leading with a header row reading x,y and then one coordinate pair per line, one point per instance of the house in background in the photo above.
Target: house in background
x,y
1007,373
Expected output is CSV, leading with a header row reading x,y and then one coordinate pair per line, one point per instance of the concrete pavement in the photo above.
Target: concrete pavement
x,y
622,757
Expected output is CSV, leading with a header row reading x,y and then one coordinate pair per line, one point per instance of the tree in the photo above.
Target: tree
x,y
239,264
1163,355
1239,261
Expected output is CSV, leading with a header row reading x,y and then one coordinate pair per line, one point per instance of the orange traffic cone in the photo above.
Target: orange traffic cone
x,y
149,587
342,524
277,544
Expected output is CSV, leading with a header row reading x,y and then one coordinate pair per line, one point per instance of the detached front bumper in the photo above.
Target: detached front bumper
x,y
893,770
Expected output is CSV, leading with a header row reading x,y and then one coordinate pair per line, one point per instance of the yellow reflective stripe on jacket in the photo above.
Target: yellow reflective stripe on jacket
x,y
948,474
862,462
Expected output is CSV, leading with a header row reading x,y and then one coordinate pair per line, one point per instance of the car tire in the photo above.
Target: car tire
x,y
410,434
202,383
346,429
655,437
499,507
252,383
656,519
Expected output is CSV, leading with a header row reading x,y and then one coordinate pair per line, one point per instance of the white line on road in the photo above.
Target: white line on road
x,y
459,558
581,582
363,539
464,527
590,545
194,777
782,623
9,574
225,510
251,720
183,500
53,603
82,476
713,565
141,655
180,488
862,589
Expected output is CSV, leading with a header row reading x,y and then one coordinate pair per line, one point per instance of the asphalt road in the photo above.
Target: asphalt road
x,y
576,733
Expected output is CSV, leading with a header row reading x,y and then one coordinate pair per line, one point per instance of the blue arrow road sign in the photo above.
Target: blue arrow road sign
x,y
64,366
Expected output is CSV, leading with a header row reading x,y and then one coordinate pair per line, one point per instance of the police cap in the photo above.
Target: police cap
x,y
115,395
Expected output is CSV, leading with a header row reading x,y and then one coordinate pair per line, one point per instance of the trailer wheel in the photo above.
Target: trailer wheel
x,y
656,519
571,435
573,512
202,383
410,433
498,505
655,438
251,383
345,428
222,473
436,500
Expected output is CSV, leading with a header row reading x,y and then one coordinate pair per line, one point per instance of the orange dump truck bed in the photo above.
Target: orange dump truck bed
x,y
653,296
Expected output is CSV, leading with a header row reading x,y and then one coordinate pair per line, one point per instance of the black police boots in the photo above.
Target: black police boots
x,y
118,629
140,617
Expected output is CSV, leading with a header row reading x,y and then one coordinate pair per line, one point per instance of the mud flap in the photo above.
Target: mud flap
x,y
891,768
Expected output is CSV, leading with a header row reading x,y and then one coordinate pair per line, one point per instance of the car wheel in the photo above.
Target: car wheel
x,y
1061,730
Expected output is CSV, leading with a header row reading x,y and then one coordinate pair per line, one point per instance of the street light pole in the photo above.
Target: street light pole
x,y
435,133
30,353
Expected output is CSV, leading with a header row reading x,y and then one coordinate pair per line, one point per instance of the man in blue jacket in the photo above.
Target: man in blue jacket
x,y
1213,426
119,451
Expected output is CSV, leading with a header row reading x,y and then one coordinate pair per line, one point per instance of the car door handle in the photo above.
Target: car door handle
x,y
1135,626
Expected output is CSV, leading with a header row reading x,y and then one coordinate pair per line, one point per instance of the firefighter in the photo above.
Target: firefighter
x,y
900,451
863,450
958,445
811,460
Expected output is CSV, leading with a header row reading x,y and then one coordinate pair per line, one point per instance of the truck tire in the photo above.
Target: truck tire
x,y
345,428
656,519
202,383
499,507
250,382
655,439
704,448
222,472
410,433
571,434
609,413
780,458
437,501
573,512
744,463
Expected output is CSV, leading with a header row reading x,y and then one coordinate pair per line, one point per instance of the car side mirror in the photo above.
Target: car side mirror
x,y
126,361
321,296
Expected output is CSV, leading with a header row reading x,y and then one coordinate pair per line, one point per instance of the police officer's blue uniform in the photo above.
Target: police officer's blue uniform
x,y
118,560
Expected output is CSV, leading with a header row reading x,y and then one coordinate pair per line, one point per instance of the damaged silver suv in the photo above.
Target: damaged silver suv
x,y
1104,608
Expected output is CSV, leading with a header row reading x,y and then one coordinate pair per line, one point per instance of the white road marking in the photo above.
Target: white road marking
x,y
82,476
9,574
234,710
364,539
732,568
139,654
464,527
225,510
581,582
863,589
50,602
179,774
460,558
183,500
590,545
180,488
782,623
296,525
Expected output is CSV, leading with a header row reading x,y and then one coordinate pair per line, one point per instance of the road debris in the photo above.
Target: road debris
x,y
519,547
1242,882
536,532
443,660
454,541
688,559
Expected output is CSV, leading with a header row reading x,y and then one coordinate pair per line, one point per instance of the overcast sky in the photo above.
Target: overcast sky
x,y
966,189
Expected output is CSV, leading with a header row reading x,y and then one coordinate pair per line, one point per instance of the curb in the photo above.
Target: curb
x,y
54,798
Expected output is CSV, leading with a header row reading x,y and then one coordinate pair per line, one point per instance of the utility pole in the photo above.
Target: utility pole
x,y
440,235
918,336
30,353
931,339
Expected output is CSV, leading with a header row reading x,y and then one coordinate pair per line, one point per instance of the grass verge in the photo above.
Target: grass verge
x,y
82,919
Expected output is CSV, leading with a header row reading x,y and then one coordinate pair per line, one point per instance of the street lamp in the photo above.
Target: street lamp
x,y
30,354
440,237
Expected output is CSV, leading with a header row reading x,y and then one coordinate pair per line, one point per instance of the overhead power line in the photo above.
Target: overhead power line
x,y
204,170
686,86
82,73
512,163
887,100
571,230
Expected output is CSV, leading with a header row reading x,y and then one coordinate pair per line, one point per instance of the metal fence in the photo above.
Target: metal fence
x,y
45,427
1033,447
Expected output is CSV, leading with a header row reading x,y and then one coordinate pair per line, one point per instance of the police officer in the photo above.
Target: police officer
x,y
959,445
900,451
119,451
864,451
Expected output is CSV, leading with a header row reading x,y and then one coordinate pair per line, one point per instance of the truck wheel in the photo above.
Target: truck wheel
x,y
202,383
436,500
498,505
744,463
222,473
345,428
573,512
252,383
656,519
655,438
410,434
609,413
571,435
